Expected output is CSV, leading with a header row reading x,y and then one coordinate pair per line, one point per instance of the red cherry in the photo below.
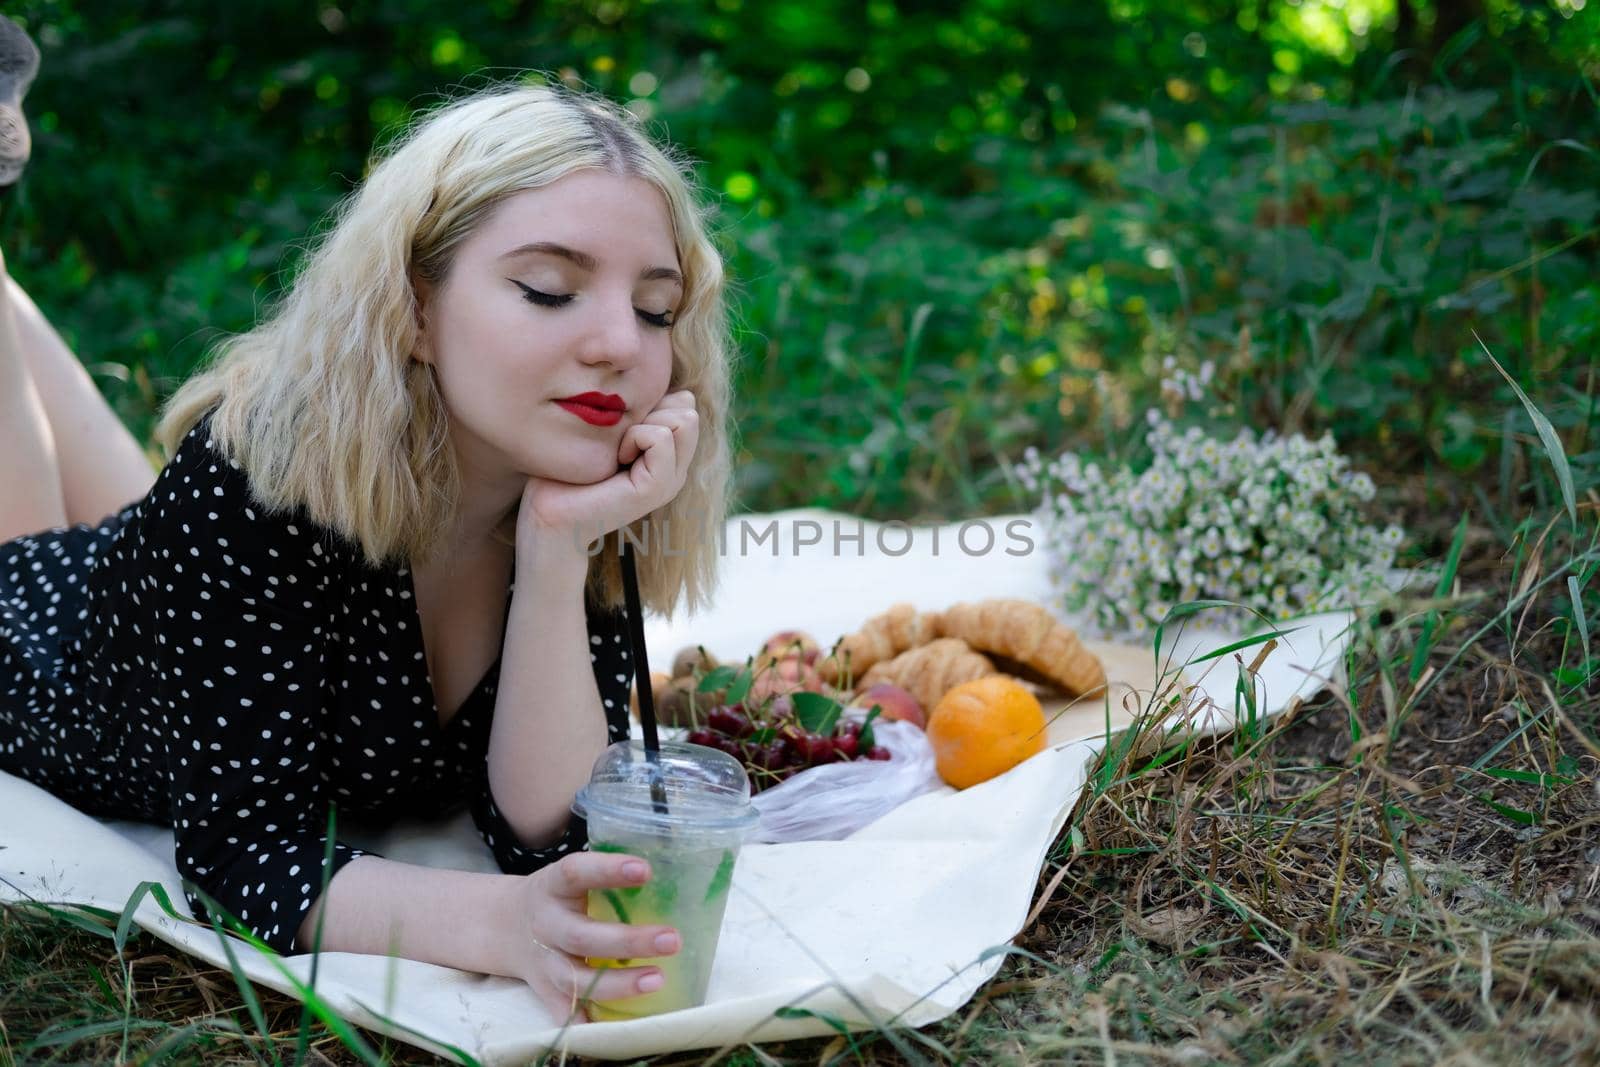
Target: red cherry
x,y
702,737
878,752
846,745
729,721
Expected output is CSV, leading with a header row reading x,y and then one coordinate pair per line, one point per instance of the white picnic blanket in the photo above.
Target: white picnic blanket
x,y
903,921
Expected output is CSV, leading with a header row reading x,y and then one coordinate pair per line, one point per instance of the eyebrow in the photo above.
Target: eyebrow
x,y
584,260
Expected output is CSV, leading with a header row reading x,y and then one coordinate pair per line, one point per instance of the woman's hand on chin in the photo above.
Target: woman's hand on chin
x,y
659,448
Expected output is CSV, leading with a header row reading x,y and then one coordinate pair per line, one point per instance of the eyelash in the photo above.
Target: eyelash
x,y
534,296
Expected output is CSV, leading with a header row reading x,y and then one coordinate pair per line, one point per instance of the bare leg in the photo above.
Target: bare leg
x,y
30,478
102,468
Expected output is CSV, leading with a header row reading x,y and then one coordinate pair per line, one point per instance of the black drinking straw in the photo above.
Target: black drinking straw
x,y
641,673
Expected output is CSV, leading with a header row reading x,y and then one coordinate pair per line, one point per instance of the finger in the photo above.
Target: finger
x,y
610,983
580,872
670,417
684,424
648,440
678,420
682,398
591,938
687,438
684,429
660,458
628,450
633,445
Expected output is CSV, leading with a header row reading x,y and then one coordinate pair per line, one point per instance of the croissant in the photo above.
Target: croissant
x,y
930,671
1026,632
880,638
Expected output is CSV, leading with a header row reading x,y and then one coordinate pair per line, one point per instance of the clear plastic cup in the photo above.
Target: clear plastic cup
x,y
691,846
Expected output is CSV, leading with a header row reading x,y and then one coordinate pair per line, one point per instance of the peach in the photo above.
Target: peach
x,y
787,643
786,675
894,702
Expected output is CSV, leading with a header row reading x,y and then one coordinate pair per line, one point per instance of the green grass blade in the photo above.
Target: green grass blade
x,y
185,1036
788,1012
76,918
1547,435
1248,642
1517,815
252,1003
125,920
336,1023
1447,578
1586,646
303,1038
465,1058
1535,777
51,1038
1183,611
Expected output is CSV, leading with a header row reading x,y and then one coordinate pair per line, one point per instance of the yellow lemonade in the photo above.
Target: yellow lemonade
x,y
687,890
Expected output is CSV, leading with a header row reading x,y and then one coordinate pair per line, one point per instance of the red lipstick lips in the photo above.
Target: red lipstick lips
x,y
597,409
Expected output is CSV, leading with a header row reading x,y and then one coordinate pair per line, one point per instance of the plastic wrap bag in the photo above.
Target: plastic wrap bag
x,y
831,802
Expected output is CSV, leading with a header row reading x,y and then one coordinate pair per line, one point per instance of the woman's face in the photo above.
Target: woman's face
x,y
518,324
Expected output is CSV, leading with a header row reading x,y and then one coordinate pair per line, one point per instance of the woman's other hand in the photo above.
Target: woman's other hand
x,y
551,934
659,447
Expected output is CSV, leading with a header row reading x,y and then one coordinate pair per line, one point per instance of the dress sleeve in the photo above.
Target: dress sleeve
x,y
613,671
239,612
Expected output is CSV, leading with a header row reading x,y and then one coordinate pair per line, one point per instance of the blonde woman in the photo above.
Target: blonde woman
x,y
363,580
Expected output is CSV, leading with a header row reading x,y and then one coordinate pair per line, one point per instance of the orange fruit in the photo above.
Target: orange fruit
x,y
984,728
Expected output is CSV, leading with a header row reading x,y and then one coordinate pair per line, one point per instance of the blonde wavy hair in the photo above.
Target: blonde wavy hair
x,y
323,407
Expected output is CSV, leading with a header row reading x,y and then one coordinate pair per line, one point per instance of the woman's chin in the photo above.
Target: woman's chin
x,y
580,472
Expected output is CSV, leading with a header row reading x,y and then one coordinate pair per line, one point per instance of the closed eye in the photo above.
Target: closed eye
x,y
533,296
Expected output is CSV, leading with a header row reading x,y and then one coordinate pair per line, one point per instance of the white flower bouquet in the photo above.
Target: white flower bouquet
x,y
1271,523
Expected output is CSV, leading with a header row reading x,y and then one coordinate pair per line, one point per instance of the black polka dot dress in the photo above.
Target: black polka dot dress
x,y
196,662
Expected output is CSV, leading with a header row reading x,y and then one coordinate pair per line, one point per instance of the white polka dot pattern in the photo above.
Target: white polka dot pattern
x,y
195,661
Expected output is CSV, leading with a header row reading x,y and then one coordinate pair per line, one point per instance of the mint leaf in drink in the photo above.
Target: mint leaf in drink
x,y
666,892
616,904
723,878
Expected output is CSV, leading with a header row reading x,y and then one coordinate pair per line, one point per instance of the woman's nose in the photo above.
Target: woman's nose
x,y
614,335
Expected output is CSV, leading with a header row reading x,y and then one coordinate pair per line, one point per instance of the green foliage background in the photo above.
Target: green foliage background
x,y
955,228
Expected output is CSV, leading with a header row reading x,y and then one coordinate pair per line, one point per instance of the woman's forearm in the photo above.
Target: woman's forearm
x,y
382,907
549,726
